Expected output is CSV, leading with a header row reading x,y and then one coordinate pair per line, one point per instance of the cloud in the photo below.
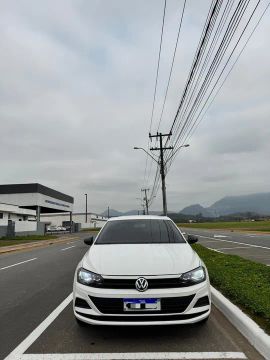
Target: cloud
x,y
76,90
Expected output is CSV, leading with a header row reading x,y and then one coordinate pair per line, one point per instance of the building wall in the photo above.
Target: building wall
x,y
92,219
23,226
27,199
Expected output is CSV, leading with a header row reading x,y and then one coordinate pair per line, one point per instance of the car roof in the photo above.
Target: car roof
x,y
139,217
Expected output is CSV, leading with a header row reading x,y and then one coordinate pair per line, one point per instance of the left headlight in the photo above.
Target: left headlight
x,y
89,278
194,276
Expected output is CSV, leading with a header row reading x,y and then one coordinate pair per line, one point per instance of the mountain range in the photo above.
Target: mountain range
x,y
258,203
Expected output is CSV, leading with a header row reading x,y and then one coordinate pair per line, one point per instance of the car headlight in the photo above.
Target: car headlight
x,y
89,278
194,276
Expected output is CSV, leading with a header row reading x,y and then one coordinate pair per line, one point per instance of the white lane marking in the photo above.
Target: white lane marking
x,y
232,248
68,247
19,263
236,242
220,236
71,242
217,250
35,334
137,356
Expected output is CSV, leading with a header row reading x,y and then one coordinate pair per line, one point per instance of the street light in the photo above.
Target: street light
x,y
176,151
85,208
140,148
161,163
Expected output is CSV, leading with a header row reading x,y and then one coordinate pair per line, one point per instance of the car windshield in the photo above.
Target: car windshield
x,y
139,232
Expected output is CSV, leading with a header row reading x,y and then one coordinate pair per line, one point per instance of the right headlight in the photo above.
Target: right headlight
x,y
195,276
89,278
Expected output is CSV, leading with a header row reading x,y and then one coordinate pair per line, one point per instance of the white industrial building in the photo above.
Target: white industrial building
x,y
89,221
23,204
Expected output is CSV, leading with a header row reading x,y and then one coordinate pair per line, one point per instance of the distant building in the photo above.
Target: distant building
x,y
93,220
23,204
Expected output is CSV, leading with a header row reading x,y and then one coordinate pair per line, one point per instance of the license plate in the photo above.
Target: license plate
x,y
149,304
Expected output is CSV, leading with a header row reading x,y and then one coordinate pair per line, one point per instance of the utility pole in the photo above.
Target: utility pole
x,y
85,208
146,200
161,149
108,212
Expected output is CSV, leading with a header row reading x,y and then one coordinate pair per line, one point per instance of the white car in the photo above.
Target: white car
x,y
140,270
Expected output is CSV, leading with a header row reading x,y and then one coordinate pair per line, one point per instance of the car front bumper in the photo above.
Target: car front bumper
x,y
92,314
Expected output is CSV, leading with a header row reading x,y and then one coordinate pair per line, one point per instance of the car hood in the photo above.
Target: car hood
x,y
141,259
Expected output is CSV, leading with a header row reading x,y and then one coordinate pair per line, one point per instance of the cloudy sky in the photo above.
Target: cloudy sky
x,y
76,90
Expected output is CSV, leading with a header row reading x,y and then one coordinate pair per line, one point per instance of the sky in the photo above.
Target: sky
x,y
76,92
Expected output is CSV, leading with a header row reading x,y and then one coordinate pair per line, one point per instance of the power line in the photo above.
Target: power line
x,y
172,64
160,46
156,82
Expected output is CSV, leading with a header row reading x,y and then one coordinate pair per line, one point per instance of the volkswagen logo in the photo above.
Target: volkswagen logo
x,y
141,284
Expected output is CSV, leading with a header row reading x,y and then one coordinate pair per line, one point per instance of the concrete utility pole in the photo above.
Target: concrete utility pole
x,y
146,200
161,149
85,208
108,212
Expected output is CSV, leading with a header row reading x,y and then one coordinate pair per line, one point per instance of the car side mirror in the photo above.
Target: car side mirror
x,y
192,239
89,241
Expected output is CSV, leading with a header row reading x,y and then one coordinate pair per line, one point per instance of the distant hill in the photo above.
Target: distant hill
x,y
129,212
255,203
112,213
196,210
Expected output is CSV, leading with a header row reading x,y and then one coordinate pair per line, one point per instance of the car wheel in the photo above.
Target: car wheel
x,y
80,322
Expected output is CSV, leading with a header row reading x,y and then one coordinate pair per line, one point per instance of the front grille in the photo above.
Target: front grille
x,y
168,305
143,318
81,303
203,301
158,283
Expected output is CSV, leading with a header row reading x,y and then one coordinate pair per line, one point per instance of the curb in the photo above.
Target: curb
x,y
247,327
36,244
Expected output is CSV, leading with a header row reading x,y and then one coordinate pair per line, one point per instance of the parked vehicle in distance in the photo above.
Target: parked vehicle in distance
x,y
140,270
53,228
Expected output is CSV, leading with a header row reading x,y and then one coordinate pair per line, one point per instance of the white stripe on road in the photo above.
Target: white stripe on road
x,y
68,247
217,250
232,248
35,334
22,262
235,242
220,236
136,356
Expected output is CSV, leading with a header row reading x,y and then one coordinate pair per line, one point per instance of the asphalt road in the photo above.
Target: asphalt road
x,y
252,246
35,320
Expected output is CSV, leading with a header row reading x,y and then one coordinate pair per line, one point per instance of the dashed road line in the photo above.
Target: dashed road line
x,y
215,250
235,242
19,263
137,356
232,248
70,247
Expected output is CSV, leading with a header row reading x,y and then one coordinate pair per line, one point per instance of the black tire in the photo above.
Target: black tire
x,y
80,323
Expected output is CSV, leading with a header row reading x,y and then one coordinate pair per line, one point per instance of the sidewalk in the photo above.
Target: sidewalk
x,y
35,244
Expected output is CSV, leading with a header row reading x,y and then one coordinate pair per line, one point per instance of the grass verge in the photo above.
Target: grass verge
x,y
244,282
7,241
230,225
91,229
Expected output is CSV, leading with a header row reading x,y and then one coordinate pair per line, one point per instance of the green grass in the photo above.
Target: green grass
x,y
6,241
244,282
230,225
91,229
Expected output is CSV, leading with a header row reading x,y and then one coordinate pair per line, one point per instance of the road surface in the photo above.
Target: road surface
x,y
36,318
252,246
